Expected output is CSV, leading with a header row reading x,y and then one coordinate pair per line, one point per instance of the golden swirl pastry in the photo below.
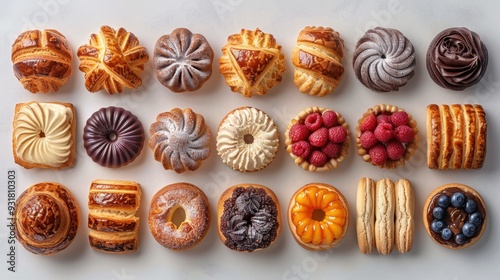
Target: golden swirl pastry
x,y
247,139
252,62
47,218
113,60
43,135
180,140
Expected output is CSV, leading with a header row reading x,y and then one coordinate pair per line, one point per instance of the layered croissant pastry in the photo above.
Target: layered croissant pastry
x,y
113,60
252,62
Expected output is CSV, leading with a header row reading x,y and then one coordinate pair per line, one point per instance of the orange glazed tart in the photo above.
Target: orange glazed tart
x,y
318,216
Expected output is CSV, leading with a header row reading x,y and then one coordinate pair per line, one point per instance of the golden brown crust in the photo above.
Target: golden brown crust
x,y
192,229
227,194
111,220
317,59
365,208
456,136
42,60
404,223
252,62
384,216
72,154
47,218
293,228
332,163
113,60
467,190
411,147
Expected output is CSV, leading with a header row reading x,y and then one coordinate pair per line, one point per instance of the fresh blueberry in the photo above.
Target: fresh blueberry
x,y
460,238
437,226
446,234
444,201
470,206
469,229
458,200
476,219
438,213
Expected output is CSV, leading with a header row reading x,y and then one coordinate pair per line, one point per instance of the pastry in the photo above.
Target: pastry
x,y
180,140
179,216
385,216
113,60
247,139
455,216
456,58
47,218
318,216
42,60
44,135
248,217
113,137
317,58
386,136
183,60
384,59
114,228
317,139
252,62
456,136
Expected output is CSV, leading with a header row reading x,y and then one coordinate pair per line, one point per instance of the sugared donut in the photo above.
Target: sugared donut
x,y
247,139
318,216
183,60
180,140
384,59
179,216
248,217
113,137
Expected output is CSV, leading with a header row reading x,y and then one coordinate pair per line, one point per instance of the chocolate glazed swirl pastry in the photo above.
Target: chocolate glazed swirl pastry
x,y
113,137
249,217
384,59
456,58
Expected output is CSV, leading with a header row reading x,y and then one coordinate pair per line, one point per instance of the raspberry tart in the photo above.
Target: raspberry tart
x,y
317,139
386,136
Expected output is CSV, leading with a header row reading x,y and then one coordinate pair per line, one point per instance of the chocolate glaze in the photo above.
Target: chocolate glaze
x,y
99,142
249,220
456,58
458,216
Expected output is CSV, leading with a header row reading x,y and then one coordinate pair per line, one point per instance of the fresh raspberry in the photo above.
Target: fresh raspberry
x,y
313,121
384,132
368,139
331,150
319,138
318,158
378,154
404,134
399,118
301,149
329,118
298,132
395,150
369,122
337,134
383,119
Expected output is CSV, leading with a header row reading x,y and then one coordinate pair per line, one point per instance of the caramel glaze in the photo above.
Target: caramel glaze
x,y
252,63
455,218
320,65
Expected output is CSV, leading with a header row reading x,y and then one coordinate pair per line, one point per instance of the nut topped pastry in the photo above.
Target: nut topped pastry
x,y
252,62
317,58
183,60
113,60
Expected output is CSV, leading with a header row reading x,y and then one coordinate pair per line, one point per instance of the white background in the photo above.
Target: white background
x,y
216,19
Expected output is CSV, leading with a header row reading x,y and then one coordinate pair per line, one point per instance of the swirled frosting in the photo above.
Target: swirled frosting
x,y
183,60
249,220
456,58
384,59
180,140
42,132
247,139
